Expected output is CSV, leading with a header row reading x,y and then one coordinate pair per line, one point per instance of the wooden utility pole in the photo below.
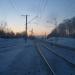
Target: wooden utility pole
x,y
26,34
26,26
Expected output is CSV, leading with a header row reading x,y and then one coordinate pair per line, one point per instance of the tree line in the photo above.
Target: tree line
x,y
64,29
5,32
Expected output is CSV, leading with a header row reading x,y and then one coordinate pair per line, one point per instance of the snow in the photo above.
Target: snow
x,y
69,42
8,53
59,66
68,55
20,58
61,60
65,48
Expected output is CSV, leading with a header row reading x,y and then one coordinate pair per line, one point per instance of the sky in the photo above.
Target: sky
x,y
41,14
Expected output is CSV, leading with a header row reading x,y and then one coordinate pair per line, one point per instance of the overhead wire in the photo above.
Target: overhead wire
x,y
13,6
43,6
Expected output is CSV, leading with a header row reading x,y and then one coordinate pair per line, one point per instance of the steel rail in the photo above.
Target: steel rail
x,y
57,54
44,58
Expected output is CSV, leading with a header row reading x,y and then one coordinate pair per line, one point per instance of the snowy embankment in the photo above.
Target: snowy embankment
x,y
9,49
21,58
63,47
64,42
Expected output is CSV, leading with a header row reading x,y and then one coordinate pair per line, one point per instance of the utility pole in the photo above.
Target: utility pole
x,y
26,34
26,26
26,16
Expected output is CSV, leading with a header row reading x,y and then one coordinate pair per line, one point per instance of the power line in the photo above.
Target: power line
x,y
40,7
43,6
13,6
33,19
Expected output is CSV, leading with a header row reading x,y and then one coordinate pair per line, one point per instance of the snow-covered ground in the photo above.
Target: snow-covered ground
x,y
58,65
64,47
9,49
62,60
69,42
20,58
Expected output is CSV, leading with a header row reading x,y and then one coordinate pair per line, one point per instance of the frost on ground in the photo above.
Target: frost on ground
x,y
58,65
20,58
9,49
66,53
69,42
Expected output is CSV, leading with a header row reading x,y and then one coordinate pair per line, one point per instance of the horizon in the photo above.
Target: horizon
x,y
45,10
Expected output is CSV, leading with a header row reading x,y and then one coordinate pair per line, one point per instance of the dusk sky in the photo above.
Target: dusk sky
x,y
45,10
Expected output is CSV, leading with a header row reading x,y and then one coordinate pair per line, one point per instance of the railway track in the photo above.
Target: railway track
x,y
64,53
67,62
41,51
57,45
29,63
61,56
45,60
